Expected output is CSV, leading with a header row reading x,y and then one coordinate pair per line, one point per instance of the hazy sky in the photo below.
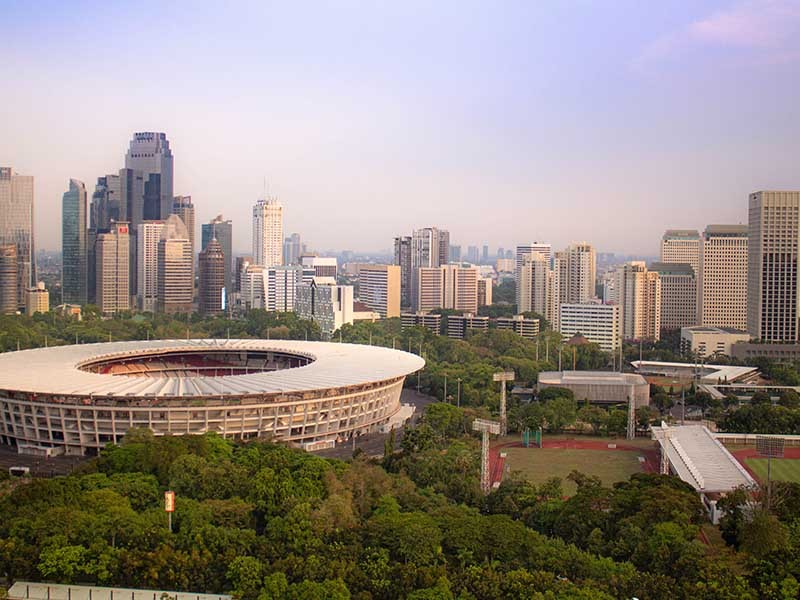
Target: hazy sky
x,y
503,122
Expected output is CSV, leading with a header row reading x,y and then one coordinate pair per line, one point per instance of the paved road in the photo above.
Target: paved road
x,y
372,443
39,466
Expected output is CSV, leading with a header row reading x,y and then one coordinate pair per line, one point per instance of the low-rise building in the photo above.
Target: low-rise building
x,y
459,325
709,341
599,387
519,324
37,300
776,352
598,323
429,321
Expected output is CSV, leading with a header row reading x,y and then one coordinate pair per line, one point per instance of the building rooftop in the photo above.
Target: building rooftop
x,y
24,590
705,373
55,370
700,460
590,378
672,268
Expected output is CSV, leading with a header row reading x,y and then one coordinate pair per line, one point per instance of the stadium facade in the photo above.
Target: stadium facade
x,y
76,399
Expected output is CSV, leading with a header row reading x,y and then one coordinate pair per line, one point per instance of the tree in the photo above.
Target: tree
x,y
760,397
594,416
560,412
245,574
789,399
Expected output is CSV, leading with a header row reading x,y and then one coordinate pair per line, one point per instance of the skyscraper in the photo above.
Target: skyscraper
x,y
681,246
522,250
534,281
379,289
16,226
222,230
107,205
8,279
183,207
212,279
402,258
292,249
268,233
147,238
113,265
639,296
74,252
678,295
430,247
175,285
574,273
772,278
150,154
722,279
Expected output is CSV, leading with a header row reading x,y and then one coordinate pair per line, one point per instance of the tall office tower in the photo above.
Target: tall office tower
x,y
132,192
501,253
455,254
449,286
107,204
521,251
485,255
281,286
292,249
212,279
428,289
639,296
222,230
428,247
772,277
678,295
175,285
112,254
8,279
473,255
324,266
681,246
16,226
379,289
268,233
183,207
240,262
149,153
327,304
74,254
484,291
37,299
534,280
722,279
147,238
444,246
402,258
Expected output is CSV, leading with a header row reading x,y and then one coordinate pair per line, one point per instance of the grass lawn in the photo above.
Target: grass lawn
x,y
539,464
783,469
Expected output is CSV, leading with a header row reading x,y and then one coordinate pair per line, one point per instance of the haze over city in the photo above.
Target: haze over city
x,y
607,122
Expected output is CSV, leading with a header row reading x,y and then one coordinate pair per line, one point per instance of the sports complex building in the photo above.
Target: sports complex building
x,y
75,399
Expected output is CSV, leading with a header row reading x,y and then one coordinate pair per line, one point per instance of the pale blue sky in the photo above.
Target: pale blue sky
x,y
502,121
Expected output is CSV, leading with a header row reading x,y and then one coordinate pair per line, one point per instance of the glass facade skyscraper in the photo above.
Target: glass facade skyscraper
x,y
73,244
223,232
16,226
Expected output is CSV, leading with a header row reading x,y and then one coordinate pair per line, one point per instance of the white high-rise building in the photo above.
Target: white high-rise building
x,y
149,234
113,259
268,233
534,285
449,286
574,274
681,246
379,288
546,250
327,304
282,283
772,271
722,280
175,283
639,296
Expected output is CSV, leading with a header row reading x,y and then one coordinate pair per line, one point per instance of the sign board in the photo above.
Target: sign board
x,y
169,501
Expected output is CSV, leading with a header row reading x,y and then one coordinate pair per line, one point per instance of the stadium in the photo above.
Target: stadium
x,y
76,399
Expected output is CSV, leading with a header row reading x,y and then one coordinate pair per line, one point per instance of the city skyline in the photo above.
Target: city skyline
x,y
480,126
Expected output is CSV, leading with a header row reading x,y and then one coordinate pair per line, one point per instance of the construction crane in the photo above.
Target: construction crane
x,y
485,427
502,377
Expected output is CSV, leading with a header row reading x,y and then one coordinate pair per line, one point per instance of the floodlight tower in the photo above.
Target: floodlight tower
x,y
485,427
502,377
664,447
631,414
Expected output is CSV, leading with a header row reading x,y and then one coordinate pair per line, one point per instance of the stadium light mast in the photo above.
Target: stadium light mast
x,y
631,415
503,377
485,427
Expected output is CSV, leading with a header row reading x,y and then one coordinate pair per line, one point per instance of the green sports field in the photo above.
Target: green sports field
x,y
783,469
539,464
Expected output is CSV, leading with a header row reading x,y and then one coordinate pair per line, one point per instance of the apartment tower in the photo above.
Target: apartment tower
x,y
16,226
112,255
722,280
175,285
268,233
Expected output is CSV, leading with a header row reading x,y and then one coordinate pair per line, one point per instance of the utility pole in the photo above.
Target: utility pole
x,y
458,396
502,377
485,427
444,399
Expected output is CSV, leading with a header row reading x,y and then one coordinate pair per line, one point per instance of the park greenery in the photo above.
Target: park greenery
x,y
265,521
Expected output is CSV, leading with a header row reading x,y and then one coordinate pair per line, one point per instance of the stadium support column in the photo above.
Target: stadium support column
x,y
485,427
631,414
503,377
664,449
